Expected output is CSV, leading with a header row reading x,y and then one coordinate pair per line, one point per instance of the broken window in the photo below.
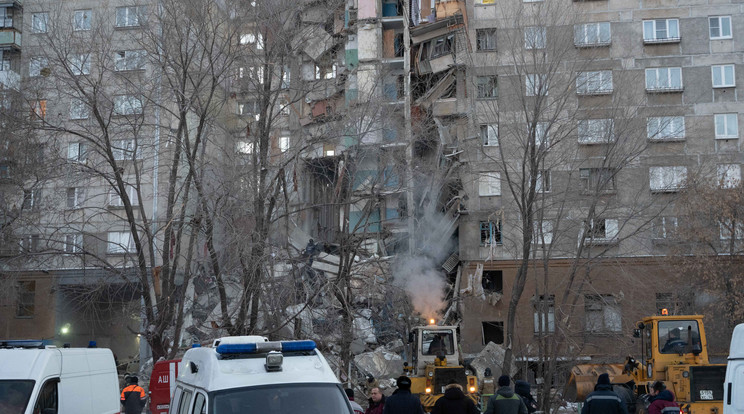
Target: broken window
x,y
493,281
490,233
443,46
544,314
485,39
600,229
493,332
602,314
487,87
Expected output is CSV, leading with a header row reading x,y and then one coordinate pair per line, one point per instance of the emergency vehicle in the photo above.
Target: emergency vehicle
x,y
39,378
162,385
248,374
733,389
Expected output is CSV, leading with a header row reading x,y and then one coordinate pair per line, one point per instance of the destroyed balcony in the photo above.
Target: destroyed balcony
x,y
447,107
392,23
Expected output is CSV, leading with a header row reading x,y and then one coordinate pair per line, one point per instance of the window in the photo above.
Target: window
x,y
597,179
592,34
130,16
487,87
47,401
200,404
544,314
665,127
485,39
729,175
594,82
665,227
595,131
39,22
536,84
667,179
727,227
542,185
602,314
543,232
77,152
123,149
252,39
723,76
256,74
82,20
5,64
325,71
661,31
490,233
534,37
493,331
75,196
80,64
727,126
36,65
489,134
127,105
116,201
284,143
32,199
130,60
489,184
664,79
541,135
26,299
720,27
442,46
249,108
38,109
30,244
73,243
244,147
286,78
6,17
493,281
120,242
79,109
600,229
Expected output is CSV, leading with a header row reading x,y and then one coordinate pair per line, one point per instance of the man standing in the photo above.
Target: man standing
x,y
523,389
505,401
376,401
354,405
133,397
603,400
402,401
662,400
454,401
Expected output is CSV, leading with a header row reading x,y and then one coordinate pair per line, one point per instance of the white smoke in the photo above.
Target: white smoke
x,y
424,284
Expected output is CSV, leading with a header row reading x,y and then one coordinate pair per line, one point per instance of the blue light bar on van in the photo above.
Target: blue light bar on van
x,y
261,347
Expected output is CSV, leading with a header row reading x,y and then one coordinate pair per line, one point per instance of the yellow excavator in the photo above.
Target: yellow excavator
x,y
435,361
674,350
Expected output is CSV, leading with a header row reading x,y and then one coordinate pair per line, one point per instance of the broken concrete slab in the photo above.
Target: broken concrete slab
x,y
492,356
380,363
314,41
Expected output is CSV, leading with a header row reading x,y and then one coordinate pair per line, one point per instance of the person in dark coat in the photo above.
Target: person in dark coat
x,y
133,397
454,401
402,401
603,400
376,401
662,400
523,390
505,401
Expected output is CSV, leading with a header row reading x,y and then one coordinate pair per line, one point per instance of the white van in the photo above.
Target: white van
x,y
733,388
38,379
247,374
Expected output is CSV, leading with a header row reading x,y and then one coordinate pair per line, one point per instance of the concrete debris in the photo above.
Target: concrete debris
x,y
492,356
380,363
314,41
395,346
363,327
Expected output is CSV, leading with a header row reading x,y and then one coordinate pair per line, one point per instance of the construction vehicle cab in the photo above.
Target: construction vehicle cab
x,y
435,361
673,350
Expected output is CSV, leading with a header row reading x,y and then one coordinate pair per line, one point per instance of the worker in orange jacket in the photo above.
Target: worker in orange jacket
x,y
133,397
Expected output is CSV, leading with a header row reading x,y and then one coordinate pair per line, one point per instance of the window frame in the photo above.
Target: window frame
x,y
535,83
489,133
603,302
494,230
124,149
721,36
79,25
117,246
543,314
39,22
546,227
80,153
114,199
73,243
80,64
657,87
126,105
655,30
138,11
582,34
665,227
487,87
587,78
659,178
659,131
728,175
590,178
124,63
74,199
23,309
722,74
726,117
489,184
587,129
79,109
535,37
36,64
486,37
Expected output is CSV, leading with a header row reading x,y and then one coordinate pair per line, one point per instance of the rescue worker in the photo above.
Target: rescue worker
x,y
376,401
603,400
662,400
505,401
522,389
402,401
354,405
133,397
454,401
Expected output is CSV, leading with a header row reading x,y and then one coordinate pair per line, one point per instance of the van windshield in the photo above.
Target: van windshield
x,y
14,395
283,398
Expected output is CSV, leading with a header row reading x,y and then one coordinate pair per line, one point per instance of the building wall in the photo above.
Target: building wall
x,y
39,325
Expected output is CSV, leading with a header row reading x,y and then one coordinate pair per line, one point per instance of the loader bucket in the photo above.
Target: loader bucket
x,y
584,377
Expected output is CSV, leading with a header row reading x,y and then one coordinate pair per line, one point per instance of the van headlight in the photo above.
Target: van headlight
x,y
274,361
